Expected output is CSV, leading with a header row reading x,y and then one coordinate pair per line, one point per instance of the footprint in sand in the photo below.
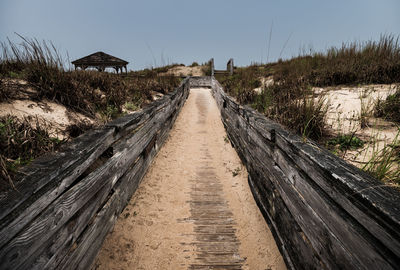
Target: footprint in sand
x,y
149,222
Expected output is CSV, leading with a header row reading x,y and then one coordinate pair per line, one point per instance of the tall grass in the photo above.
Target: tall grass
x,y
91,93
299,110
41,65
290,104
385,163
352,63
242,83
390,107
290,99
22,140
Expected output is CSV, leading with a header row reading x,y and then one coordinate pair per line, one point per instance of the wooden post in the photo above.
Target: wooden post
x,y
229,66
212,66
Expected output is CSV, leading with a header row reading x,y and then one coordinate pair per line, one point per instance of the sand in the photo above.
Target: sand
x,y
56,117
345,105
185,71
265,82
194,207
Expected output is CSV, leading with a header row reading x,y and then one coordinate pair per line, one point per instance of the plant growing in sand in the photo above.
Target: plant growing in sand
x,y
367,107
346,142
385,163
92,93
352,63
22,140
390,107
236,172
42,66
301,112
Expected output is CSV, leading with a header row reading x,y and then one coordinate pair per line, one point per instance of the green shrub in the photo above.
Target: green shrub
x,y
346,142
389,108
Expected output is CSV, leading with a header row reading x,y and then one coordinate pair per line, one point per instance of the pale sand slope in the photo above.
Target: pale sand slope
x,y
56,117
191,208
345,106
185,71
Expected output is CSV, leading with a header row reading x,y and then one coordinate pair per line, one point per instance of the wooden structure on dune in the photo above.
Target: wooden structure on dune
x,y
101,61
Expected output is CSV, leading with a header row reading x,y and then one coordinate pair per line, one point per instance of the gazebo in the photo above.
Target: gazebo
x,y
100,61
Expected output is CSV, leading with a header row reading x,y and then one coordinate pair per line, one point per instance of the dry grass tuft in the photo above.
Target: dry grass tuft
x,y
21,141
353,63
92,93
390,107
87,92
290,100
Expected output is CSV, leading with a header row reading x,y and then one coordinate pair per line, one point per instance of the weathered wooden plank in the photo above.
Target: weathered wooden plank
x,y
53,214
286,223
333,189
87,259
199,82
47,168
135,176
294,246
384,198
358,225
259,199
84,151
89,245
70,202
371,224
51,252
370,191
342,228
323,240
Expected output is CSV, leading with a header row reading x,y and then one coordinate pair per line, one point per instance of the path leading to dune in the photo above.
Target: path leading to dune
x,y
193,209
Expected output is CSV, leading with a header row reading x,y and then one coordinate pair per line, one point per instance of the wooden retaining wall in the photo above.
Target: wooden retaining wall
x,y
324,213
200,81
67,202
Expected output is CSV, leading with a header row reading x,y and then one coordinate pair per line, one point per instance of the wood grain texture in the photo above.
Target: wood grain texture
x,y
58,176
323,212
312,199
70,208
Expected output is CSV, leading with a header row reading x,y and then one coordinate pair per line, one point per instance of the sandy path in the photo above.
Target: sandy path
x,y
193,209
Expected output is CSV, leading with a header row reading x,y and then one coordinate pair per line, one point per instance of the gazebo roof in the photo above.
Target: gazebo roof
x,y
99,59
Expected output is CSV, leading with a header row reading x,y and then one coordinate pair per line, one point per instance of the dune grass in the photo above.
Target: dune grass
x,y
352,63
290,104
98,95
385,163
390,107
87,92
21,141
290,99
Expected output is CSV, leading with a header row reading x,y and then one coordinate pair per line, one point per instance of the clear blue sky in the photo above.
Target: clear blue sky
x,y
155,32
